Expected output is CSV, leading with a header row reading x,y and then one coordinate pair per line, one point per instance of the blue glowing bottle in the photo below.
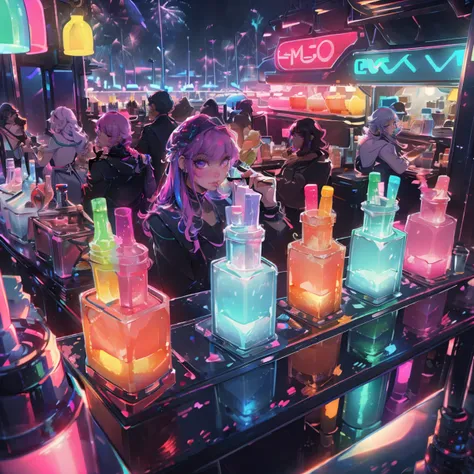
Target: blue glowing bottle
x,y
377,248
243,284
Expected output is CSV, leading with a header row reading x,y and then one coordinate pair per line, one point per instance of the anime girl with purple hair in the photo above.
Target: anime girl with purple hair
x,y
379,149
188,218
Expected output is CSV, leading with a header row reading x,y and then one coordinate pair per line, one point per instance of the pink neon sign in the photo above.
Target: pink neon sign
x,y
318,52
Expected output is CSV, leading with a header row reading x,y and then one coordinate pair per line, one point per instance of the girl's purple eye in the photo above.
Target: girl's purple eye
x,y
200,164
225,162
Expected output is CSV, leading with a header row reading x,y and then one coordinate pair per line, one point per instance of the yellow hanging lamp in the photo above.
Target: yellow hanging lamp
x,y
78,39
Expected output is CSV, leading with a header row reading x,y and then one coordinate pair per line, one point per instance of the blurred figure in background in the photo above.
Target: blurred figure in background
x,y
308,165
211,109
182,110
155,135
119,173
59,155
379,149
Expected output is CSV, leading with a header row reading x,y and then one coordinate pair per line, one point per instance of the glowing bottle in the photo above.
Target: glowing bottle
x,y
430,234
377,248
243,284
128,338
316,263
103,254
62,234
20,208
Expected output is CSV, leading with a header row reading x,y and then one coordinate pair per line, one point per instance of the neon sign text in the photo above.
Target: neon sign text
x,y
416,65
319,52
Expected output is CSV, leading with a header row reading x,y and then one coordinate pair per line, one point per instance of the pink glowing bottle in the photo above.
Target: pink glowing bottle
x,y
132,262
430,234
316,263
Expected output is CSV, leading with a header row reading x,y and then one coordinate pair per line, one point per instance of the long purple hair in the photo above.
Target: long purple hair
x,y
197,135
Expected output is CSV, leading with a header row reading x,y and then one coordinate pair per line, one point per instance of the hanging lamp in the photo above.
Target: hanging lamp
x,y
77,37
38,40
14,30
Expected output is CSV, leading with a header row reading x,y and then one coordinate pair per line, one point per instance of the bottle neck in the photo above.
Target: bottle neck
x,y
101,230
378,221
244,247
61,199
317,230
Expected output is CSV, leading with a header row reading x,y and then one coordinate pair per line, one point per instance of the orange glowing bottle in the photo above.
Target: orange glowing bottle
x,y
316,263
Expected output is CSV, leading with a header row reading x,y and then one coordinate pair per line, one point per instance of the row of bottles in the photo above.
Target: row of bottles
x,y
243,283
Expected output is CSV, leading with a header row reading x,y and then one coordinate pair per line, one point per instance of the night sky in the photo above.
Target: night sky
x,y
133,24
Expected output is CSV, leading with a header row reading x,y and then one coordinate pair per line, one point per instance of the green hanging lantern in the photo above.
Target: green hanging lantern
x,y
14,29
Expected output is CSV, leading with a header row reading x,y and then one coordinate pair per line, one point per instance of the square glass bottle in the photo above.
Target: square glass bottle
x,y
128,339
430,234
20,207
316,262
243,284
377,248
62,234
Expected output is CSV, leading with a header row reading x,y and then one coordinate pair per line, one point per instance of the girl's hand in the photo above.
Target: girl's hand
x,y
264,185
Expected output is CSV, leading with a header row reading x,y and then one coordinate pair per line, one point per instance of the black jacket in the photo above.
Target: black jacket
x,y
299,172
119,178
183,270
153,142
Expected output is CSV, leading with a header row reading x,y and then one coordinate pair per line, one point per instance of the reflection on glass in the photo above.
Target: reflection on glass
x,y
250,395
364,406
424,317
315,365
370,340
398,400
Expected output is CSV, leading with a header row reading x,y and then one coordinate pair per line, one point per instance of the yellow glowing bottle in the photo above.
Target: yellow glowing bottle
x,y
316,263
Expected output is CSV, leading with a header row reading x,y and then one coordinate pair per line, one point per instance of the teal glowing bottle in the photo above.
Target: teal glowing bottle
x,y
243,284
377,248
372,340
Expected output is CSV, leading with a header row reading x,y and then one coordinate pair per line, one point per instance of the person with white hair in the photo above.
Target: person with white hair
x,y
68,141
379,149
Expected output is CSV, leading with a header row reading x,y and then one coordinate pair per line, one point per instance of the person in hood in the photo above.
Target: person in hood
x,y
379,149
118,173
310,164
155,135
211,109
182,110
